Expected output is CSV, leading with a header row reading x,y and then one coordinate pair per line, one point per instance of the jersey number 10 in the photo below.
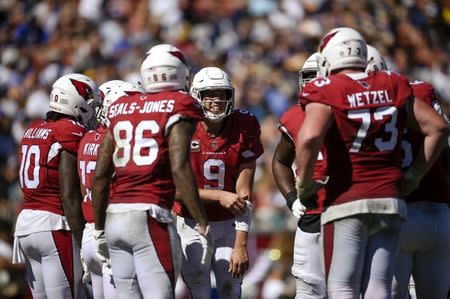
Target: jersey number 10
x,y
30,181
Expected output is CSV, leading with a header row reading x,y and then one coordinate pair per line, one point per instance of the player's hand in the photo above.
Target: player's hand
x,y
101,249
308,194
86,273
298,209
207,245
232,202
239,262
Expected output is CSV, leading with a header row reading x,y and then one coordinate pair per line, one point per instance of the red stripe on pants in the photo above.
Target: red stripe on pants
x,y
159,234
328,236
64,246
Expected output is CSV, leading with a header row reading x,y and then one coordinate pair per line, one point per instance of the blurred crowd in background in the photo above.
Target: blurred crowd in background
x,y
261,43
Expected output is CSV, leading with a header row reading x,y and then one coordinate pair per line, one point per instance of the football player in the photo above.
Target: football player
x,y
307,267
99,272
147,146
425,236
49,228
224,150
361,118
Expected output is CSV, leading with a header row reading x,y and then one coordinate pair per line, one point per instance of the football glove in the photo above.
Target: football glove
x,y
101,249
298,209
207,245
86,273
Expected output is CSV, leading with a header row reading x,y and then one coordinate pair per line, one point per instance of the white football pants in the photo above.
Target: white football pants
x,y
102,282
53,265
307,267
145,255
197,276
359,255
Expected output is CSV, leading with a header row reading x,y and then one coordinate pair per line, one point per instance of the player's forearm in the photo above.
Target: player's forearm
x,y
307,152
283,158
101,181
284,177
74,216
180,137
71,198
100,193
210,195
244,182
241,239
184,179
433,145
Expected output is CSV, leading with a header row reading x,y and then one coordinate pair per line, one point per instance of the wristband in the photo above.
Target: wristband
x,y
290,198
244,219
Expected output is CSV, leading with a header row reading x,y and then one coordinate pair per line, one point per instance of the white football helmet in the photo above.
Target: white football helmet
x,y
309,70
71,95
375,62
104,88
116,92
164,68
341,48
213,78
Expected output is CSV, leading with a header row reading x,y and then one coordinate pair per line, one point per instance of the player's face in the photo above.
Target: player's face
x,y
215,101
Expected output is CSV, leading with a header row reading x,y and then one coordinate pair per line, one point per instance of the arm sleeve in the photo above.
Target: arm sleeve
x,y
68,133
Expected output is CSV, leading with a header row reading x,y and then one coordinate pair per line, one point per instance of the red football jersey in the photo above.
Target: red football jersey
x,y
39,156
216,160
434,185
363,145
87,159
139,125
290,124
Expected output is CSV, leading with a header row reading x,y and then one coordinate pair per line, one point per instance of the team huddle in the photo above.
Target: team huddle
x,y
128,188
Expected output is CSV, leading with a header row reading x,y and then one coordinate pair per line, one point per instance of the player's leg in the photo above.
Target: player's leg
x,y
155,250
410,239
381,254
344,243
119,229
402,272
412,288
307,266
93,263
62,265
195,275
33,262
432,267
225,235
109,286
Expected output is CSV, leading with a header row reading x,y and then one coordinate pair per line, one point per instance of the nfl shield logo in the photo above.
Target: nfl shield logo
x,y
195,145
213,144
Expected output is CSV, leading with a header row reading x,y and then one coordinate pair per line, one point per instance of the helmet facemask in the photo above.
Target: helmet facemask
x,y
217,103
306,75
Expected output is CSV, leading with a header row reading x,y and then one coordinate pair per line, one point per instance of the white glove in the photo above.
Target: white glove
x,y
207,245
298,209
86,273
101,249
